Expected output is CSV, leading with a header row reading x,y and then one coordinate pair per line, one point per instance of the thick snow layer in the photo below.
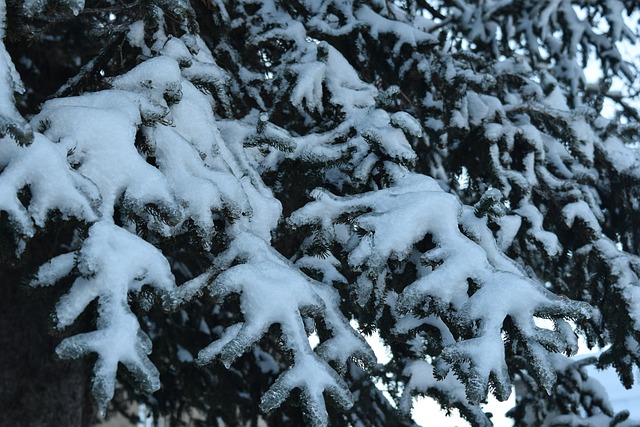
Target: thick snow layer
x,y
622,157
388,223
101,139
112,263
272,292
200,169
557,100
53,185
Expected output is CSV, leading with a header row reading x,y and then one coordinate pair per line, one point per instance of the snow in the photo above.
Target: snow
x,y
410,321
53,185
549,241
621,398
9,83
422,379
135,37
389,140
393,224
327,266
557,100
344,83
272,292
191,152
509,227
620,155
308,90
403,32
407,123
112,262
586,139
9,78
200,190
147,159
154,78
3,18
102,140
183,355
175,49
394,219
581,210
193,120
477,109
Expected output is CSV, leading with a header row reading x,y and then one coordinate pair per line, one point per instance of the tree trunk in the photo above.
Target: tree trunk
x,y
36,388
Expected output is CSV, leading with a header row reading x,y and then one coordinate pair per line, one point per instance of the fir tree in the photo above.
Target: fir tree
x,y
202,187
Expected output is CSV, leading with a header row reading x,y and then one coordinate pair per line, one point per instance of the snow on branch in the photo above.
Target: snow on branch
x,y
52,186
111,264
11,122
321,162
472,280
272,291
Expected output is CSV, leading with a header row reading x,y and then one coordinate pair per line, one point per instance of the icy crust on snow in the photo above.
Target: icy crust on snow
x,y
387,224
272,291
112,263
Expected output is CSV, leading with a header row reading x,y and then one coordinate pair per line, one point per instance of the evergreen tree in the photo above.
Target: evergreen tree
x,y
200,187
